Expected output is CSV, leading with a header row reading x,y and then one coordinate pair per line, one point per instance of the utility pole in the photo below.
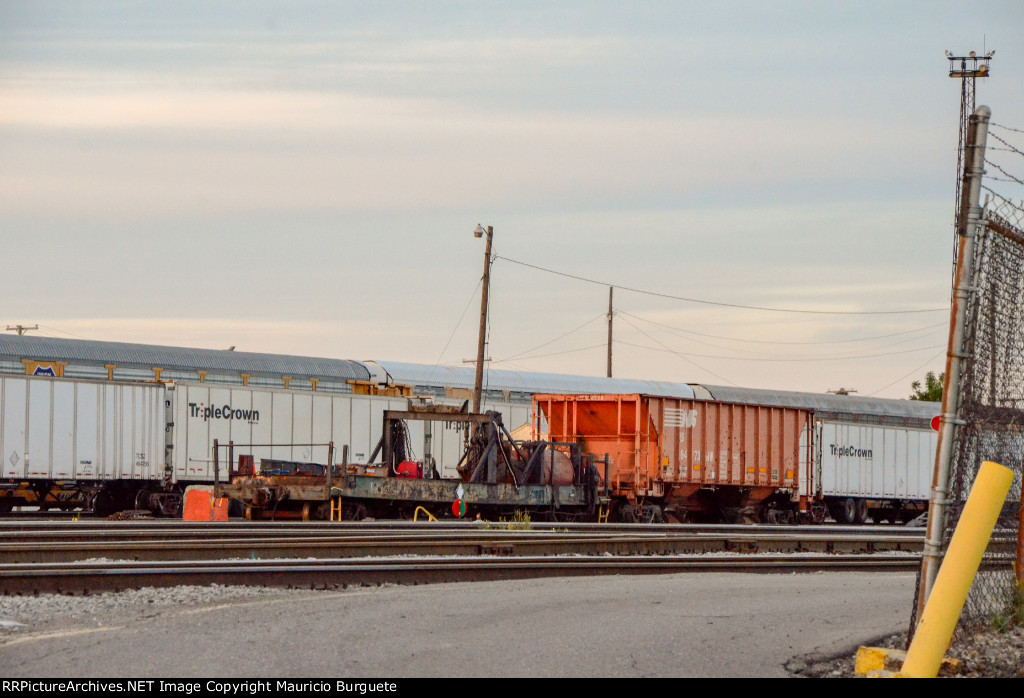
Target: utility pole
x,y
22,329
481,343
610,289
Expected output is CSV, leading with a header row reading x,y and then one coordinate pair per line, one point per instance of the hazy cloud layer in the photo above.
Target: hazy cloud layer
x,y
304,178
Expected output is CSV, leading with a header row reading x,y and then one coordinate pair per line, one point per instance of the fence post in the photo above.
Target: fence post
x,y
969,230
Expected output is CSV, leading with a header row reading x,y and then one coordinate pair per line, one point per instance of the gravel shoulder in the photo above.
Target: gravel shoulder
x,y
983,654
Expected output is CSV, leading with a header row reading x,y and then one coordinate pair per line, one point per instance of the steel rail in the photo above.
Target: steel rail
x,y
506,543
65,530
334,573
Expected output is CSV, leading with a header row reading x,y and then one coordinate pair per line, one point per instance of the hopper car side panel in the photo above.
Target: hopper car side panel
x,y
691,457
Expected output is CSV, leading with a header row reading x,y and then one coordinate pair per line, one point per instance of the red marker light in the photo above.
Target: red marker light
x,y
459,508
936,420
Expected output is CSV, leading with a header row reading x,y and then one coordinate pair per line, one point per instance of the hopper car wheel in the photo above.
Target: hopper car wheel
x,y
356,512
861,515
6,505
651,513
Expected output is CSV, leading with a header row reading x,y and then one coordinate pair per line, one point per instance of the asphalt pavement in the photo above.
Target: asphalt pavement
x,y
677,625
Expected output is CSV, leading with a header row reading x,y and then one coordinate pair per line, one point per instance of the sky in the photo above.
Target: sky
x,y
305,178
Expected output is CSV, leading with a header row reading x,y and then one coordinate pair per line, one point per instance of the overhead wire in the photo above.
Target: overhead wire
x,y
54,329
720,303
552,341
811,356
555,353
907,375
672,351
458,324
768,341
781,359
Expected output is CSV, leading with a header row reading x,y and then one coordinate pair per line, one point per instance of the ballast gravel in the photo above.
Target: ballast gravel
x,y
986,653
48,612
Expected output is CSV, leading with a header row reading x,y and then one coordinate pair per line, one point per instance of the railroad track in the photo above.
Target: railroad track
x,y
59,529
450,543
175,542
334,573
61,557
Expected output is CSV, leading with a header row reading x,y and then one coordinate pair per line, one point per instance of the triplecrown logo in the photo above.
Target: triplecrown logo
x,y
850,451
199,409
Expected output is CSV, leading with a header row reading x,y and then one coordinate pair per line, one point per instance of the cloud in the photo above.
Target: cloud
x,y
145,152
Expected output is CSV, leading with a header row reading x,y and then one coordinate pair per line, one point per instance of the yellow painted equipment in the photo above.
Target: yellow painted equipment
x,y
960,565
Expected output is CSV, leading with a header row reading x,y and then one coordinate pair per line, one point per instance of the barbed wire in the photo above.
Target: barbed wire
x,y
1004,208
1012,178
1005,128
1009,146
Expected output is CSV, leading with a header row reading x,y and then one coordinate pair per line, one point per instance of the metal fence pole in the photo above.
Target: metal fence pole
x,y
969,232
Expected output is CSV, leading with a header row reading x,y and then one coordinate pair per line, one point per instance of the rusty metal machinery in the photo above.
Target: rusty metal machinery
x,y
498,477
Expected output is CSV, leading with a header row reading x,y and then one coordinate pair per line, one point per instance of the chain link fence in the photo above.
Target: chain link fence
x,y
990,417
992,409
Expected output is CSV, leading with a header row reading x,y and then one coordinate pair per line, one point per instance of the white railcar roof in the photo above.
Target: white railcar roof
x,y
146,356
528,381
827,402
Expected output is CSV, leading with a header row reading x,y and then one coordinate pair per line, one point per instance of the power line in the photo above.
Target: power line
x,y
718,303
672,351
552,341
748,358
904,377
554,353
810,356
765,341
458,324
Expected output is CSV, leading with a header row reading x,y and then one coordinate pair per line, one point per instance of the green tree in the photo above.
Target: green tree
x,y
932,391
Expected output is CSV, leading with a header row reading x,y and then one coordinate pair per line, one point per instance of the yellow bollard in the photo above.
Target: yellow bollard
x,y
960,565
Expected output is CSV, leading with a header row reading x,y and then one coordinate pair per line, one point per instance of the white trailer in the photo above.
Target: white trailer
x,y
295,426
882,472
113,445
60,440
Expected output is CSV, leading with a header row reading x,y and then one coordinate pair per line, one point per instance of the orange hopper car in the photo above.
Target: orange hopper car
x,y
679,459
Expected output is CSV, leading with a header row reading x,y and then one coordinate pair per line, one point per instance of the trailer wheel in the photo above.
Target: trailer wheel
x,y
861,516
848,511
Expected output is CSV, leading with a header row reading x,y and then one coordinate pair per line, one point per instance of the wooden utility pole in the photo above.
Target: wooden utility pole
x,y
481,343
610,289
22,329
